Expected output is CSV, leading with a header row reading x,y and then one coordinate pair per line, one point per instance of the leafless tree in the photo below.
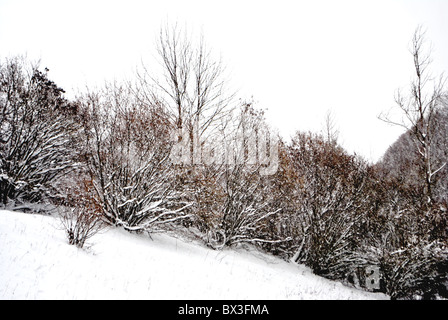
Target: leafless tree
x,y
330,130
193,86
418,109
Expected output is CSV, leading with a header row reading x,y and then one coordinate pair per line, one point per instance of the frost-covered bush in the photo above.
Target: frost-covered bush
x,y
36,126
418,271
81,224
330,202
126,148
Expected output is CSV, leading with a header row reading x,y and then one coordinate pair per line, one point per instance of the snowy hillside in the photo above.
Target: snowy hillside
x,y
36,262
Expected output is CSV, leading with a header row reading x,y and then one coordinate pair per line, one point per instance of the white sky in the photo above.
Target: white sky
x,y
296,58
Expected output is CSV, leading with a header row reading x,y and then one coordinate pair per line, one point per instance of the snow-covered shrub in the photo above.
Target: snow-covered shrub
x,y
245,212
79,210
127,147
81,224
407,239
36,126
417,271
330,203
235,204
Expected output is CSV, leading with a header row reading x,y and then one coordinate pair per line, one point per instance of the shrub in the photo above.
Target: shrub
x,y
81,224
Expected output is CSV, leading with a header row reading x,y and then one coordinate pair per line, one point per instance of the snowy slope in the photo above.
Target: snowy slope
x,y
37,263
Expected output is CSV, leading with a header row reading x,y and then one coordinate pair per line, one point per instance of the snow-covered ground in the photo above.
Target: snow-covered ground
x,y
36,262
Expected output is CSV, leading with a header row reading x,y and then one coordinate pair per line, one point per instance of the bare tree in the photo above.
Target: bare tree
x,y
192,87
330,130
418,110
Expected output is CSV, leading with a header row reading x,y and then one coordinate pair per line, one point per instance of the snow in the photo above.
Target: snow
x,y
36,262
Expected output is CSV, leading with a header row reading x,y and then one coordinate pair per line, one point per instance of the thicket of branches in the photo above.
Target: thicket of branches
x,y
175,150
37,125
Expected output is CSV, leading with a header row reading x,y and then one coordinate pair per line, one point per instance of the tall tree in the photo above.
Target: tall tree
x,y
419,108
193,85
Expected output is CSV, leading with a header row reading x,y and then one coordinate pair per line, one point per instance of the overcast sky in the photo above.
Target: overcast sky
x,y
298,59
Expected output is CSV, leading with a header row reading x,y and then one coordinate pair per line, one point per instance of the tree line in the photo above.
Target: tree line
x,y
177,151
